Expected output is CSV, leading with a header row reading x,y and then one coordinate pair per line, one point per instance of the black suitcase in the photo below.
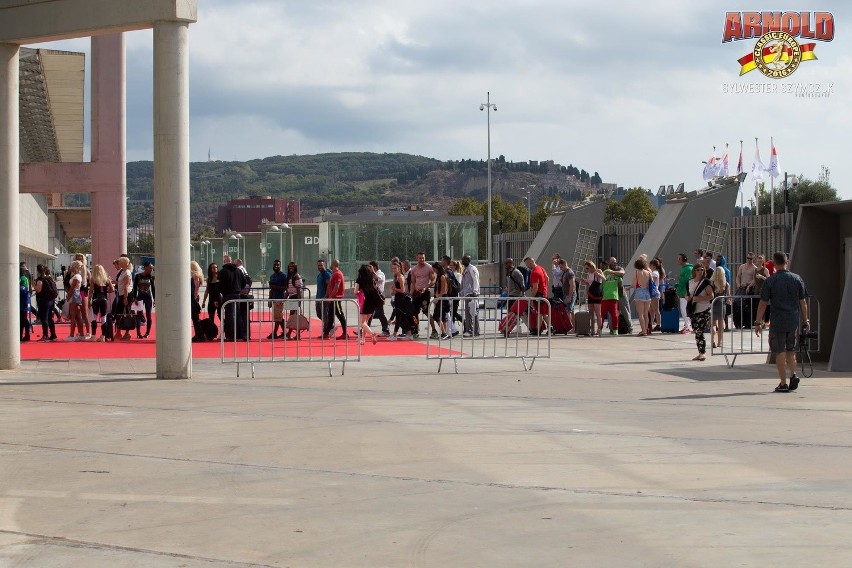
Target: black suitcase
x,y
742,313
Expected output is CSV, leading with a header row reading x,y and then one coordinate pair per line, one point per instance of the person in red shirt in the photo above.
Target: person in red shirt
x,y
770,266
336,285
538,289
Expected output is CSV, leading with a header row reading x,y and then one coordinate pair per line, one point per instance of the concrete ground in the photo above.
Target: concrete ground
x,y
618,451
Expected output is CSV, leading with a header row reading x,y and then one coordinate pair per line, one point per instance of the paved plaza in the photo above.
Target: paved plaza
x,y
618,451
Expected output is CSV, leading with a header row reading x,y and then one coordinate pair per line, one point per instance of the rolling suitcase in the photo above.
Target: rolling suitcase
x,y
741,313
559,320
508,323
670,321
583,323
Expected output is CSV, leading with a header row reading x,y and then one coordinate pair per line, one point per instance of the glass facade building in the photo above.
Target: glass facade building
x,y
352,240
357,240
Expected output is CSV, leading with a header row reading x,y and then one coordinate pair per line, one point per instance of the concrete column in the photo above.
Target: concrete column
x,y
108,91
10,301
171,200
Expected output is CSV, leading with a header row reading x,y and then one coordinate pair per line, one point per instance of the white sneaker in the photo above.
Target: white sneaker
x,y
87,338
71,338
391,338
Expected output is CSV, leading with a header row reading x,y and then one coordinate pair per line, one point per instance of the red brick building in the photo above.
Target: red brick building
x,y
245,214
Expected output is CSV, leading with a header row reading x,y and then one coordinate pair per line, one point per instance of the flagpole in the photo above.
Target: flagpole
x,y
756,181
771,180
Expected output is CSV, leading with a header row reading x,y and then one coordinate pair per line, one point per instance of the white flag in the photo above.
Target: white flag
x,y
710,168
724,168
757,167
773,163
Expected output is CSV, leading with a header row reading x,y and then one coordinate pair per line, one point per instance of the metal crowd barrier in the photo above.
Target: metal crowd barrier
x,y
512,337
302,341
491,309
742,339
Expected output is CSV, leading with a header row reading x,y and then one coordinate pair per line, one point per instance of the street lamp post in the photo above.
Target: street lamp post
x,y
280,228
529,206
488,106
235,236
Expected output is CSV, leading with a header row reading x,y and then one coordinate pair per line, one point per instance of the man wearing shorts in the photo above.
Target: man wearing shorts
x,y
277,291
422,279
785,291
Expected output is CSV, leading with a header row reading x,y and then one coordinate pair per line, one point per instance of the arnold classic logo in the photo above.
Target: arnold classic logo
x,y
776,53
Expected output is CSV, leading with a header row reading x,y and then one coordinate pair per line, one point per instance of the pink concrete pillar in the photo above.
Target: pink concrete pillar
x,y
109,206
10,299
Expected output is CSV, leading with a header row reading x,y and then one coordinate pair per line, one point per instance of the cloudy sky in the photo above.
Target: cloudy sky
x,y
633,90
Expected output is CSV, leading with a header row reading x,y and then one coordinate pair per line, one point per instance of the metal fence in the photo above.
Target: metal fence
x,y
758,233
741,338
523,333
250,332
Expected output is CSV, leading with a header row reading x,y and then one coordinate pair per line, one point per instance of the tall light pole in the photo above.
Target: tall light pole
x,y
280,228
235,236
488,106
529,205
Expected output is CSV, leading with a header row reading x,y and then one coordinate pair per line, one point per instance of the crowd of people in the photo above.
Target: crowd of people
x,y
95,302
91,302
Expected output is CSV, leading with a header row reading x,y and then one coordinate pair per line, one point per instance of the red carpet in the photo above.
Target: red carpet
x,y
309,346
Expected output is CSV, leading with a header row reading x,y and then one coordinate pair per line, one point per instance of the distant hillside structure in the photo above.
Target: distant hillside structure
x,y
245,214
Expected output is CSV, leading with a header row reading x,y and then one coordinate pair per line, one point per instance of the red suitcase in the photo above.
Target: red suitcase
x,y
559,318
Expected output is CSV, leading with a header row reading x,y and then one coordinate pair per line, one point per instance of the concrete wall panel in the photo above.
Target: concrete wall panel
x,y
559,233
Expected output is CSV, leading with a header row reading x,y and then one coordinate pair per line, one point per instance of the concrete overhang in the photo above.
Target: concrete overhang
x,y
76,222
33,252
30,21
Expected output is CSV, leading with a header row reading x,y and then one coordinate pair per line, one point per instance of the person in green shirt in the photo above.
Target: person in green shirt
x,y
609,305
682,286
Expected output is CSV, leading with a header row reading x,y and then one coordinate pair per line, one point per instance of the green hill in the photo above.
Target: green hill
x,y
350,181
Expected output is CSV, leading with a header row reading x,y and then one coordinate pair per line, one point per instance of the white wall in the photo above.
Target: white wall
x,y
33,230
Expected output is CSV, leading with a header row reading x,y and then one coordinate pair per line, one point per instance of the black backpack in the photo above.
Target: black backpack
x,y
670,299
49,287
453,287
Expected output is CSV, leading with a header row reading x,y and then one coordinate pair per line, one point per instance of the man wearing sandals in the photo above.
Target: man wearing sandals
x,y
786,292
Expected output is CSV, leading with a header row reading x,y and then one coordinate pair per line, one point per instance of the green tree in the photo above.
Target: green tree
x,y
634,207
79,245
506,216
806,191
144,244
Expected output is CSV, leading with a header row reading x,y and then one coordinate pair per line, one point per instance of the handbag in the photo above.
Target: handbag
x,y
595,290
690,306
653,288
126,322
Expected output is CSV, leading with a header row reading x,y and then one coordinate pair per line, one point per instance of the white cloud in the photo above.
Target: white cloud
x,y
632,90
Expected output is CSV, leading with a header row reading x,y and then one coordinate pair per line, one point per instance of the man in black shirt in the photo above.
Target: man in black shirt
x,y
231,283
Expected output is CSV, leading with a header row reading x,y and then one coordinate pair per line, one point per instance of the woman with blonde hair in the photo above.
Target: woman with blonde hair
x,y
123,288
197,281
720,286
75,302
100,286
84,288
